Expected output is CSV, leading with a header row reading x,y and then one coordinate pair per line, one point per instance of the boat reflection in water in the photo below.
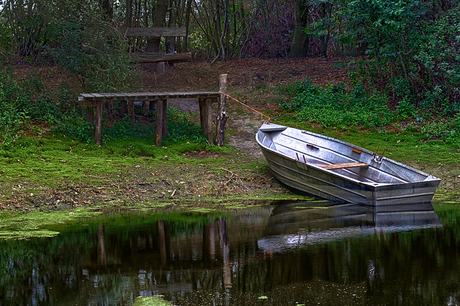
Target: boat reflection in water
x,y
298,224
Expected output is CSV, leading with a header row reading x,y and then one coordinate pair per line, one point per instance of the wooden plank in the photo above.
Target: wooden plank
x,y
147,32
344,166
89,97
161,57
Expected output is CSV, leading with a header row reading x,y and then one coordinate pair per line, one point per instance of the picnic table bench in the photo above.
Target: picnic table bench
x,y
154,32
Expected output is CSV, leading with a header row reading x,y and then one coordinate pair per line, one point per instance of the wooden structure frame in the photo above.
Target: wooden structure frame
x,y
95,101
147,31
153,32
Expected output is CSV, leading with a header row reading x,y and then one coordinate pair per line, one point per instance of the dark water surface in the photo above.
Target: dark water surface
x,y
282,254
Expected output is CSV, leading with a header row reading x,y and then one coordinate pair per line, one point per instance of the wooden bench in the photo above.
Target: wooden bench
x,y
147,32
153,32
96,101
344,166
161,57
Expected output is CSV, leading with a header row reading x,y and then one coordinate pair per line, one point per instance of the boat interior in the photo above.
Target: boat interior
x,y
340,157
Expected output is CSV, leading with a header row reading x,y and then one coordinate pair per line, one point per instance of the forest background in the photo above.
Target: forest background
x,y
407,50
402,60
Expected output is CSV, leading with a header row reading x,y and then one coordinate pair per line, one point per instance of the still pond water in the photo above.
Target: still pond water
x,y
281,254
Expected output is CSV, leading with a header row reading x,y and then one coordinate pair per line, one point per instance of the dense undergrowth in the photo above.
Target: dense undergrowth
x,y
335,106
24,104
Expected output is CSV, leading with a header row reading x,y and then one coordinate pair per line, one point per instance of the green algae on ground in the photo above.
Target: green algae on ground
x,y
35,224
50,224
156,300
60,173
18,234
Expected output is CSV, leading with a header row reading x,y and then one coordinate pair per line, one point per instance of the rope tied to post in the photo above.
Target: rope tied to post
x,y
247,106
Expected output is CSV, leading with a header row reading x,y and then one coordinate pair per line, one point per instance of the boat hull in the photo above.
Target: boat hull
x,y
298,162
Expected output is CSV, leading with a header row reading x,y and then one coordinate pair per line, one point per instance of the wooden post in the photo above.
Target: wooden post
x,y
146,107
123,108
91,114
131,109
165,113
98,131
159,123
208,118
222,111
201,103
110,115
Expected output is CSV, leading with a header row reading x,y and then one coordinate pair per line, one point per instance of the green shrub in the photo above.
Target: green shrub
x,y
101,63
13,116
412,49
333,105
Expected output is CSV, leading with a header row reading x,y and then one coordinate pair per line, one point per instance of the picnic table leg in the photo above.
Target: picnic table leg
x,y
202,103
90,114
206,118
110,116
165,112
123,108
131,109
159,123
146,107
98,129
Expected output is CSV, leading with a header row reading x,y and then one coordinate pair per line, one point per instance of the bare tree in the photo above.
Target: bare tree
x,y
214,18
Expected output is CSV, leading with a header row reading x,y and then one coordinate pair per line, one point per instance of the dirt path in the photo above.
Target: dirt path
x,y
250,78
243,136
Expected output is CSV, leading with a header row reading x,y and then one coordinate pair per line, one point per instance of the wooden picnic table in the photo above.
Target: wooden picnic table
x,y
95,101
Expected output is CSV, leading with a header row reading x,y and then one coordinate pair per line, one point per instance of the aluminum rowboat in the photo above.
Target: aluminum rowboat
x,y
339,171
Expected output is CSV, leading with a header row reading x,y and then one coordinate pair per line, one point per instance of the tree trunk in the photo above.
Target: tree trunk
x,y
159,17
146,14
129,12
217,22
301,39
187,24
106,6
326,9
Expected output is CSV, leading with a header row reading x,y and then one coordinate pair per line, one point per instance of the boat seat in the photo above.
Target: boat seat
x,y
344,166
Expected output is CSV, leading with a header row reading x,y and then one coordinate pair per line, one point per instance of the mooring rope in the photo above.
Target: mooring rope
x,y
254,110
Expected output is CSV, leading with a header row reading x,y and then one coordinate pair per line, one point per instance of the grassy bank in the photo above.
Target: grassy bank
x,y
60,168
53,171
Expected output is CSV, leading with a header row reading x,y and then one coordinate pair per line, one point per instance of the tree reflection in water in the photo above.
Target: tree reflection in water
x,y
339,257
